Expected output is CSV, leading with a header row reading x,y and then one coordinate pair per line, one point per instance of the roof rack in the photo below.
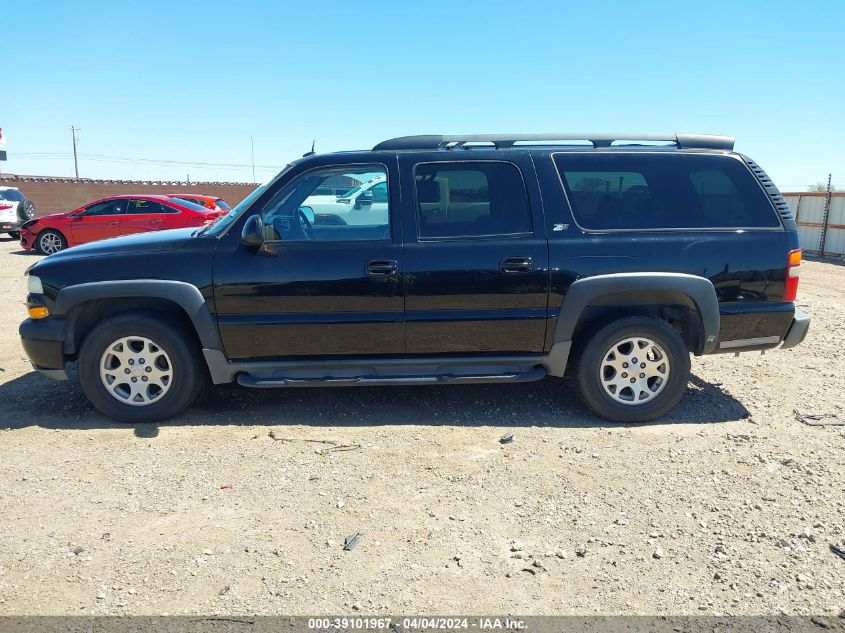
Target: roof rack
x,y
507,141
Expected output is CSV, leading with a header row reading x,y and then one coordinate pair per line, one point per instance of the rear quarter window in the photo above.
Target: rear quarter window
x,y
628,191
13,195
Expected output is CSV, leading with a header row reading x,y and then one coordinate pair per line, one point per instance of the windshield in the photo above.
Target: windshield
x,y
354,192
225,221
189,204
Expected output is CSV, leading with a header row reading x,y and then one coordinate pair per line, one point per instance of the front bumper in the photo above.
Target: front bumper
x,y
44,343
27,239
797,331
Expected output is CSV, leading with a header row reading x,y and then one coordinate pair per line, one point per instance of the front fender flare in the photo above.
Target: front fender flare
x,y
186,295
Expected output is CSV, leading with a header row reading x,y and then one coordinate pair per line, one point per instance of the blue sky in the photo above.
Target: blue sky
x,y
190,82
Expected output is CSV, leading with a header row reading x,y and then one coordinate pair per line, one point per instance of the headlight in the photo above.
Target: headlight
x,y
33,285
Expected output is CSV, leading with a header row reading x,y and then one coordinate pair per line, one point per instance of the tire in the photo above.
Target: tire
x,y
50,241
148,346
26,210
15,235
608,356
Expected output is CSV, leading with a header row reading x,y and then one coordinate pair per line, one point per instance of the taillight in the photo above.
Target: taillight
x,y
3,207
793,270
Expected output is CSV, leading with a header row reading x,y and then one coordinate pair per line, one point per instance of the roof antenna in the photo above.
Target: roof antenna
x,y
311,153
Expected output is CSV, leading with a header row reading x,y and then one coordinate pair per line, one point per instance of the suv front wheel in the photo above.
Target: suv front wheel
x,y
634,370
140,368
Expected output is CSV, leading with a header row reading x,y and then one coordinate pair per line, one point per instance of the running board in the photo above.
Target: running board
x,y
246,380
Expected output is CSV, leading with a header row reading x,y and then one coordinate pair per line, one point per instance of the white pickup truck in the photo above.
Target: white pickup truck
x,y
366,204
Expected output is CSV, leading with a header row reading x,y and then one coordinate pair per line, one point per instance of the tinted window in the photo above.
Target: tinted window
x,y
138,205
471,199
652,191
302,211
222,204
13,195
193,201
189,203
380,193
107,207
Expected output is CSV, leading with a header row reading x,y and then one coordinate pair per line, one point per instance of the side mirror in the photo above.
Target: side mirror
x,y
308,212
364,200
252,235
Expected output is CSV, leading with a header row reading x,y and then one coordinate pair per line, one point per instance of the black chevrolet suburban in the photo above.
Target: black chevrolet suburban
x,y
439,260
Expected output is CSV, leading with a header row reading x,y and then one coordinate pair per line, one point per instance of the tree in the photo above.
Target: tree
x,y
820,187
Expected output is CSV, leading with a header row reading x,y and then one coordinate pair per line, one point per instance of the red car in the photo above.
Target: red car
x,y
209,202
111,217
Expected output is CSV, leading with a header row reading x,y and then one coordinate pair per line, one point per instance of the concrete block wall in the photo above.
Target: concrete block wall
x,y
53,195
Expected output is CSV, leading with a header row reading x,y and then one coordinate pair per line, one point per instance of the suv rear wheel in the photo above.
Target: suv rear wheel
x,y
140,368
634,370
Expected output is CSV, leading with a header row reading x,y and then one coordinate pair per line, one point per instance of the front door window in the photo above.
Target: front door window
x,y
331,204
107,207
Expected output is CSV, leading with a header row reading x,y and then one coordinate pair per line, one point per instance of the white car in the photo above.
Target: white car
x,y
15,209
366,204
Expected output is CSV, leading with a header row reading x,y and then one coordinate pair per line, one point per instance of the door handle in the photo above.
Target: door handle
x,y
112,223
382,267
155,221
517,265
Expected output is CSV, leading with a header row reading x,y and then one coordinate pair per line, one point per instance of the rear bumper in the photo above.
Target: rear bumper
x,y
797,331
10,225
43,341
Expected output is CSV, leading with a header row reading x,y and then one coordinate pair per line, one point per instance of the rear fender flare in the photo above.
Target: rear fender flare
x,y
584,292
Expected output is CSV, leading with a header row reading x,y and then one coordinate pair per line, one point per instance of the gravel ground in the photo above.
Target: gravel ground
x,y
730,505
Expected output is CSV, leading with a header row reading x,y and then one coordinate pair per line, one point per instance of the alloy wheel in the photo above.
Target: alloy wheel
x,y
136,371
634,370
50,243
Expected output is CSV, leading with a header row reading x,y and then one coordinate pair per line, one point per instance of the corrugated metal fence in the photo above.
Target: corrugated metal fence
x,y
821,221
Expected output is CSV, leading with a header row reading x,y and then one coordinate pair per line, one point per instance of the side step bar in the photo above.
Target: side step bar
x,y
246,380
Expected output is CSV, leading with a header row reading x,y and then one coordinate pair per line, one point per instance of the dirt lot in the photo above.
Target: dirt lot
x,y
728,506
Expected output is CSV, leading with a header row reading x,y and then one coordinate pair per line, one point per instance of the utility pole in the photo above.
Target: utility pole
x,y
73,131
826,216
252,152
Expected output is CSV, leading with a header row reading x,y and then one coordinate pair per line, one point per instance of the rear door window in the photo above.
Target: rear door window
x,y
628,191
469,199
139,205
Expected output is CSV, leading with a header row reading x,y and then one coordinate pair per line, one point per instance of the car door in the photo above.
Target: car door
x,y
476,256
98,221
316,288
144,214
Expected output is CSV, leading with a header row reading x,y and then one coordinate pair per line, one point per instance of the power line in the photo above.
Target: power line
x,y
139,160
